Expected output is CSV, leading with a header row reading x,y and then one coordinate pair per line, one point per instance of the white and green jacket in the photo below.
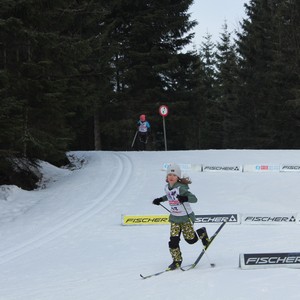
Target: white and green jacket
x,y
178,213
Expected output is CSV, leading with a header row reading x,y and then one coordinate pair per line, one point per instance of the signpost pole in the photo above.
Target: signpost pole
x,y
163,111
165,135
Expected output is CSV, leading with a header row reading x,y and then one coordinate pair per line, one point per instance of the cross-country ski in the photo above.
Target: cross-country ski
x,y
193,265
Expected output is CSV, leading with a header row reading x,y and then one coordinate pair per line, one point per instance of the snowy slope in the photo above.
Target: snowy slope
x,y
66,241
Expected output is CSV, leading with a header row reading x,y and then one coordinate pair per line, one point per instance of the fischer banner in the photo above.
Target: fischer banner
x,y
145,220
218,218
220,168
267,219
269,260
290,168
164,219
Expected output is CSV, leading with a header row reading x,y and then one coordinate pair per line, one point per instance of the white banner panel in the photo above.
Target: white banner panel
x,y
220,168
269,260
267,219
184,167
298,219
263,168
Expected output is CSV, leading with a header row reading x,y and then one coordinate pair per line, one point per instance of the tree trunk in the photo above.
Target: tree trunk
x,y
97,133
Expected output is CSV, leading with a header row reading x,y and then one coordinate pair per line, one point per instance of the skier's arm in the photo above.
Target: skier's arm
x,y
186,193
157,201
148,127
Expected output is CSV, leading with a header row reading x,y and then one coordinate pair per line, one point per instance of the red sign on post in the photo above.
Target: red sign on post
x,y
163,110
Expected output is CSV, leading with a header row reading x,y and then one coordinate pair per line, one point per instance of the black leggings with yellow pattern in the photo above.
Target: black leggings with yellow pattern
x,y
187,230
189,235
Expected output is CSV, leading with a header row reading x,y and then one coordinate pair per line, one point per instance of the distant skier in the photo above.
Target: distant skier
x,y
182,216
143,129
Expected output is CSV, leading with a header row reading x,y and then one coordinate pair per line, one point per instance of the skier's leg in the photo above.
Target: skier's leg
x,y
144,141
202,233
140,142
174,248
188,233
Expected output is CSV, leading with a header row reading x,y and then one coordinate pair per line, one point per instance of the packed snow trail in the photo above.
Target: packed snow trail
x,y
71,245
109,174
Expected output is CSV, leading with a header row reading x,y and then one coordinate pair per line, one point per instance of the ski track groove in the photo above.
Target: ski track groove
x,y
118,183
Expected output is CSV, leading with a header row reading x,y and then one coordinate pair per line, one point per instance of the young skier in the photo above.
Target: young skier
x,y
182,216
144,130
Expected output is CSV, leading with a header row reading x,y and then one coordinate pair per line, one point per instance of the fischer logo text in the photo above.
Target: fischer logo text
x,y
272,259
291,167
220,218
219,168
147,220
212,219
269,219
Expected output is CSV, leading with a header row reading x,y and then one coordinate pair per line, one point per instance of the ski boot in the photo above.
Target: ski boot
x,y
174,265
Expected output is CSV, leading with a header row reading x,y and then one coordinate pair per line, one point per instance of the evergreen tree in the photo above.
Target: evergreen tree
x,y
287,52
265,71
44,66
227,88
208,106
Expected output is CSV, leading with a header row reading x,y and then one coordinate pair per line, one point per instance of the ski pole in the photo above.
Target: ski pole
x,y
164,207
211,264
134,139
187,213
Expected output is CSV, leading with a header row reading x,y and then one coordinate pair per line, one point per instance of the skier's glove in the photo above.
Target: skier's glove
x,y
157,201
182,199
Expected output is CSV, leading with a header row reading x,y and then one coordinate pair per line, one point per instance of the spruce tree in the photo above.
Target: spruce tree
x,y
265,71
227,88
45,56
45,65
209,107
287,52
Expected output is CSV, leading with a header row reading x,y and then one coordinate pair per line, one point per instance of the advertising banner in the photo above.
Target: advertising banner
x,y
145,220
183,167
290,168
263,168
267,219
269,260
164,219
218,218
220,168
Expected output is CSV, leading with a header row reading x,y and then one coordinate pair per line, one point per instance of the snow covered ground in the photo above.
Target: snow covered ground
x,y
65,241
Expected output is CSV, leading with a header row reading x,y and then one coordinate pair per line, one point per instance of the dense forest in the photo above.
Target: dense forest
x,y
76,75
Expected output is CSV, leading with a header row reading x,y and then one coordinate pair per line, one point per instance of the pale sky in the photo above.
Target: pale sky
x,y
211,15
